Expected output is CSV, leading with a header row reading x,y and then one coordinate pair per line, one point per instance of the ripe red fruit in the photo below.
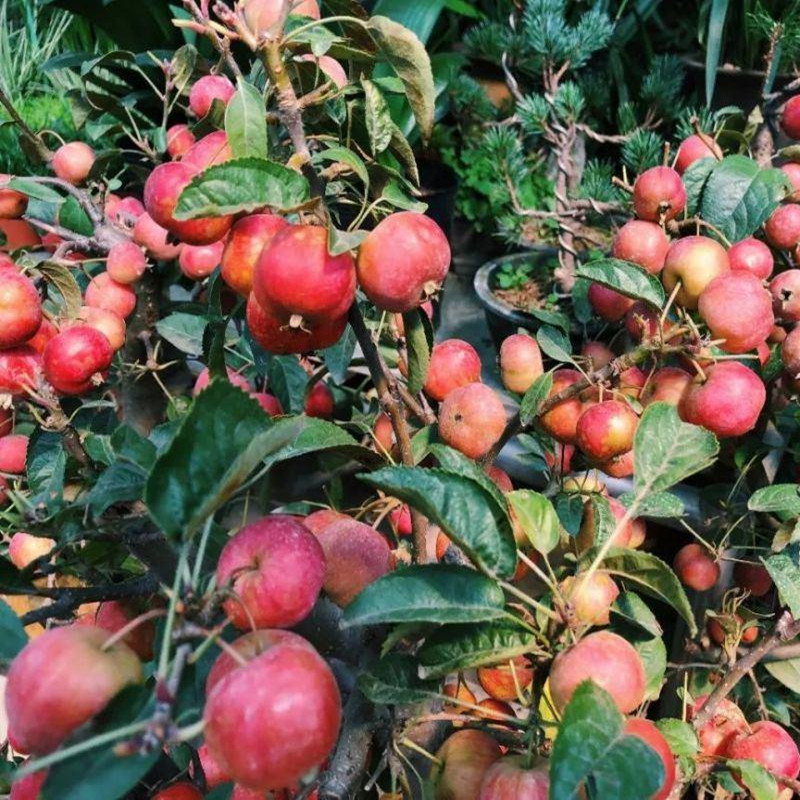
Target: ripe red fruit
x,y
213,774
275,335
356,555
643,243
694,261
737,308
454,363
262,15
472,419
770,745
114,615
179,791
179,139
72,359
400,518
149,234
246,242
384,432
403,261
728,402
24,549
274,719
620,466
275,568
606,429
598,354
126,263
62,679
13,204
561,421
696,567
785,291
204,378
693,149
727,722
45,333
20,368
208,89
123,211
111,325
659,192
646,731
792,172
591,599
509,779
782,229
610,305
461,763
73,162
271,405
20,308
13,453
323,290
753,256
19,234
753,577
161,192
208,151
320,402
199,261
29,787
717,633
499,681
666,385
607,660
641,321
104,292
790,117
520,362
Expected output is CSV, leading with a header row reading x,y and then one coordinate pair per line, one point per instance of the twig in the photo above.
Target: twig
x,y
389,398
43,152
786,629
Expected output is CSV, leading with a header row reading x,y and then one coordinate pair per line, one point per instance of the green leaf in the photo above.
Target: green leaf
x,y
739,196
694,181
242,185
405,153
569,508
419,341
787,672
651,575
554,343
120,483
12,635
534,397
45,450
761,785
537,517
220,441
287,380
72,216
129,445
183,331
680,736
64,282
378,118
591,744
341,155
419,16
780,497
246,122
459,647
625,278
714,39
427,593
344,241
102,773
461,507
605,522
337,357
182,66
451,460
661,505
408,57
637,624
667,450
784,569
394,680
36,190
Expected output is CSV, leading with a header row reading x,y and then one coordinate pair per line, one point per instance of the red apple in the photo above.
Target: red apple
x,y
753,577
20,308
520,362
753,256
693,148
694,261
508,779
206,90
727,722
462,762
646,731
24,549
696,567
454,363
73,162
247,240
501,681
658,193
606,429
275,568
770,745
472,419
590,600
643,243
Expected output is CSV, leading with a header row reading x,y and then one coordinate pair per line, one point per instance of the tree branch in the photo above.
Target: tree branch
x,y
389,398
786,629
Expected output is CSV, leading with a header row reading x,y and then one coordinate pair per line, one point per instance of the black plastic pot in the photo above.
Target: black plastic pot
x,y
504,320
438,187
